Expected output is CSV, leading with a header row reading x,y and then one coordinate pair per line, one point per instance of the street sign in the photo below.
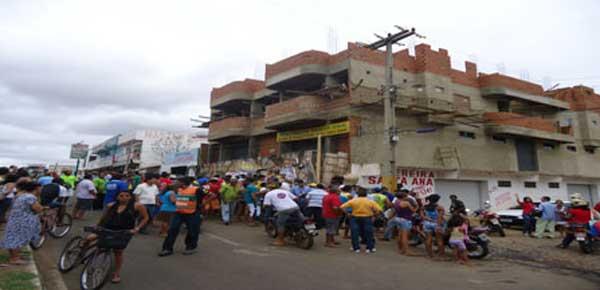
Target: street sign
x,y
79,151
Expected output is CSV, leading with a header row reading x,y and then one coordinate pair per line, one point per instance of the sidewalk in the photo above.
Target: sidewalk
x,y
25,277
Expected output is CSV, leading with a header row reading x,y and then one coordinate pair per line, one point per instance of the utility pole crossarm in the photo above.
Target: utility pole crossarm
x,y
391,38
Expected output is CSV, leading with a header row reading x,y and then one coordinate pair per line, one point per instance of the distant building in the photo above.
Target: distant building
x,y
480,136
142,150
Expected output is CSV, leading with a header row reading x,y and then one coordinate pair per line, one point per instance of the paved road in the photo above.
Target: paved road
x,y
236,257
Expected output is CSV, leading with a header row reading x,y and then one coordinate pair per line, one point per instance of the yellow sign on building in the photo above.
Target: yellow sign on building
x,y
325,130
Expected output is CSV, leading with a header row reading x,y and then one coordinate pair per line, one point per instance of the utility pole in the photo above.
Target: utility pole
x,y
390,132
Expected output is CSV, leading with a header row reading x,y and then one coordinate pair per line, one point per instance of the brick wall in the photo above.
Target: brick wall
x,y
247,85
303,58
581,98
305,104
498,80
506,118
230,123
267,144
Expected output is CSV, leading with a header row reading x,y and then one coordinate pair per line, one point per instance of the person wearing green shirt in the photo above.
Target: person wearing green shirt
x,y
136,180
100,184
69,179
228,196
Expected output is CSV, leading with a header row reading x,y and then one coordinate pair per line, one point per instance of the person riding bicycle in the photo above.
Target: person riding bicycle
x,y
283,201
121,216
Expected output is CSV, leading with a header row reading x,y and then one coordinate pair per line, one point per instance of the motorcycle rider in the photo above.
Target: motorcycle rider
x,y
578,214
283,201
457,206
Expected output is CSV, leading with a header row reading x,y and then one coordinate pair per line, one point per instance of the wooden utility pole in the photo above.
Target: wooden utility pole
x,y
390,134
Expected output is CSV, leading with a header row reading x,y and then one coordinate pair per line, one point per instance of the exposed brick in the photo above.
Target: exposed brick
x,y
305,104
498,80
303,58
506,118
247,85
581,98
267,145
229,123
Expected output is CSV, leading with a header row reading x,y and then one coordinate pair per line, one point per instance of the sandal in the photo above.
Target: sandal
x,y
116,280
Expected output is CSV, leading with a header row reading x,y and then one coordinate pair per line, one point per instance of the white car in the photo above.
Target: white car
x,y
514,215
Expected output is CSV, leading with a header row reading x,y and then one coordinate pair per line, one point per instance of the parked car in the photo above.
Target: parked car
x,y
513,217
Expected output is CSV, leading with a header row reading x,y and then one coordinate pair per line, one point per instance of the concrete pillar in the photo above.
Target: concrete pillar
x,y
221,152
252,147
327,143
281,96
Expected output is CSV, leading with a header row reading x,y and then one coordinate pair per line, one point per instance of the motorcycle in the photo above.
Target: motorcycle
x,y
587,236
300,231
477,243
489,219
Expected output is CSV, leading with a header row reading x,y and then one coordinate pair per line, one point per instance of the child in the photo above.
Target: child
x,y
458,228
167,208
23,223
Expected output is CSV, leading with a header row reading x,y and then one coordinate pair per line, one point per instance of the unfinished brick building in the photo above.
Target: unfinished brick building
x,y
488,135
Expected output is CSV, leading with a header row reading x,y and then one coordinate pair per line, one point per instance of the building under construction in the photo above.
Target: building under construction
x,y
480,136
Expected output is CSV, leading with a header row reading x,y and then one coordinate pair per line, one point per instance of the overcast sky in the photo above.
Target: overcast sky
x,y
87,70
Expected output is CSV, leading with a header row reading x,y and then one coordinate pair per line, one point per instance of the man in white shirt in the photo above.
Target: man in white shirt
x,y
282,200
315,204
85,191
146,193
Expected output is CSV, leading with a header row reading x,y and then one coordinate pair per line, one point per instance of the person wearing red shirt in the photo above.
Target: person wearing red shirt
x,y
164,179
579,214
528,218
331,213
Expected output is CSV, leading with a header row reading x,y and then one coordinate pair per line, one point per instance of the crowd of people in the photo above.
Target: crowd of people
x,y
130,202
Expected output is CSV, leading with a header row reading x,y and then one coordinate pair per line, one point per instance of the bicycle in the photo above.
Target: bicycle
x,y
95,255
55,222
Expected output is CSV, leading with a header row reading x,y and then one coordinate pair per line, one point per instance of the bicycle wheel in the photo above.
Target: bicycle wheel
x,y
96,270
71,255
62,228
39,242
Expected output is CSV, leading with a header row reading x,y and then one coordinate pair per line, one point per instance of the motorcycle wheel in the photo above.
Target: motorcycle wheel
x,y
271,229
586,247
304,240
500,230
479,251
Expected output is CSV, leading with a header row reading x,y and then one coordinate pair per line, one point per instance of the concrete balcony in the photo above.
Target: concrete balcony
x,y
501,86
258,127
302,111
516,125
229,127
304,71
235,92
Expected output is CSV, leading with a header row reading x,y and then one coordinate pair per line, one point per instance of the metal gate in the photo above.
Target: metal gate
x,y
467,191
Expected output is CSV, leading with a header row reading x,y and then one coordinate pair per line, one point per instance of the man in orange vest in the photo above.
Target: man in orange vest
x,y
187,202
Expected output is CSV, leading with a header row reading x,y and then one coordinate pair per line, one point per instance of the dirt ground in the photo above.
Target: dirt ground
x,y
517,247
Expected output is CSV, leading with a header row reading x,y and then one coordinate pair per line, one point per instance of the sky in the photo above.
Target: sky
x,y
75,71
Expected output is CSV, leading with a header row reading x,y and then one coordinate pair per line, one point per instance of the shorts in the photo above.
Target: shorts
x,y
404,224
84,204
283,216
431,227
165,216
331,226
458,244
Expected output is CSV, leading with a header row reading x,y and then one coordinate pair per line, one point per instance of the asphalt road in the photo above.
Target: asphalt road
x,y
238,257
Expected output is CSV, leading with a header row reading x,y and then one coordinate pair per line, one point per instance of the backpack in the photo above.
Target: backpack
x,y
49,193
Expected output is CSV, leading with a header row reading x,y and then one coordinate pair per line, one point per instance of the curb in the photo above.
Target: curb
x,y
32,268
52,276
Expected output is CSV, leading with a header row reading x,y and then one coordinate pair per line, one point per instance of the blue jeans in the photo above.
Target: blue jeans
x,y
192,222
528,224
226,209
362,227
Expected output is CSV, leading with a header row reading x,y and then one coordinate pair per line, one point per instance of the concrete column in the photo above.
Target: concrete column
x,y
330,82
252,147
221,153
327,143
